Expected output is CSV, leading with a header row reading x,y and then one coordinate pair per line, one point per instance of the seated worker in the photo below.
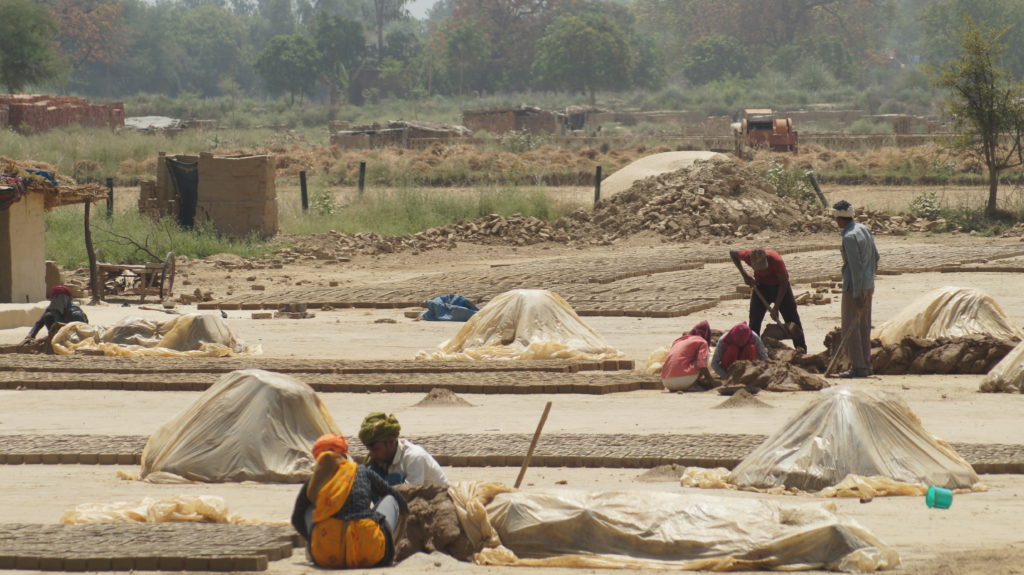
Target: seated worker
x,y
771,279
740,343
687,359
61,310
346,512
397,460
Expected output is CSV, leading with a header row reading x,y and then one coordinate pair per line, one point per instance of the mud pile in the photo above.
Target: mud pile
x,y
432,524
971,354
773,376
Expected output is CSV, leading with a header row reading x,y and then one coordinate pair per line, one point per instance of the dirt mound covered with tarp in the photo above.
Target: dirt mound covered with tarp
x,y
853,430
524,324
949,312
660,530
189,335
1007,375
252,425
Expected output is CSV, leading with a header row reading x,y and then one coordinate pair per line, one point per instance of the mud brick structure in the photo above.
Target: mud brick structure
x,y
523,118
236,194
398,134
34,113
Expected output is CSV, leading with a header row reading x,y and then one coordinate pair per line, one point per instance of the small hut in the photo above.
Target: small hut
x,y
27,191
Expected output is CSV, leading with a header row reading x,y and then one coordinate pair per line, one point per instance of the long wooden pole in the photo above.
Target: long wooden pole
x,y
533,445
94,279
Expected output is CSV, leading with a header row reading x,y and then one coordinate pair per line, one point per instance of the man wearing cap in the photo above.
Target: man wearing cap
x,y
770,285
397,460
860,262
62,310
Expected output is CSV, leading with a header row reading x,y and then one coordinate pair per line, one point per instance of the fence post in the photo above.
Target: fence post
x,y
110,197
817,189
362,177
302,189
597,185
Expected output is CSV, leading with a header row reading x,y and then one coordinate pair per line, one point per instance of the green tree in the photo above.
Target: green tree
x,y
385,11
715,57
584,53
467,50
987,105
288,65
341,47
28,53
940,17
214,44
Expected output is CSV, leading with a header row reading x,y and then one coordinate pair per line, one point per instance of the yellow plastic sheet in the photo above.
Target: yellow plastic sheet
x,y
524,324
190,335
949,312
180,508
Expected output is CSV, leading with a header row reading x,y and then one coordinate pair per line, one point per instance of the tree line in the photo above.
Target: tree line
x,y
320,48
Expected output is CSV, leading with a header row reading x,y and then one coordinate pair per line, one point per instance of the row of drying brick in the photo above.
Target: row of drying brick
x,y
144,547
500,450
522,382
199,365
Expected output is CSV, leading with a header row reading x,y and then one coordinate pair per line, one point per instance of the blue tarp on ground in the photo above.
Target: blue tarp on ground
x,y
451,307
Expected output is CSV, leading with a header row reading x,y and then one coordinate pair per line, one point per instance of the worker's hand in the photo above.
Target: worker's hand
x,y
774,312
27,341
748,280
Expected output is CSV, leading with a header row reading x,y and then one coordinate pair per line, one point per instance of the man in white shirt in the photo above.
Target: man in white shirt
x,y
398,460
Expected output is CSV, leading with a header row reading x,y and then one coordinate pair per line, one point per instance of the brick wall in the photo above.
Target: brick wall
x,y
40,113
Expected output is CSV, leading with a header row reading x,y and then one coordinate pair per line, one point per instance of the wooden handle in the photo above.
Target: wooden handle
x,y
533,445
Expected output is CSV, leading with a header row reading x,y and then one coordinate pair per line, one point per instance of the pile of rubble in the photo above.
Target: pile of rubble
x,y
711,198
970,354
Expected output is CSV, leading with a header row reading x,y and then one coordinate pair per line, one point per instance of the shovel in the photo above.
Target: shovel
x,y
777,330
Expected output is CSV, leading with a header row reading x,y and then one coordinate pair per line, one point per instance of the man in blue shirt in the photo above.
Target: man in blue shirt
x,y
860,262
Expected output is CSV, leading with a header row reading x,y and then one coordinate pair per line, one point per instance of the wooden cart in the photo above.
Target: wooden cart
x,y
151,278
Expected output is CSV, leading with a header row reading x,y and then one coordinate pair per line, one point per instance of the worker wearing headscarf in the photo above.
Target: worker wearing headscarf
x,y
61,310
346,512
687,359
740,343
397,460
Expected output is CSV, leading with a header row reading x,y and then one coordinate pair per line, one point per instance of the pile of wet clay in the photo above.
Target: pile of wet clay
x,y
773,375
742,399
432,524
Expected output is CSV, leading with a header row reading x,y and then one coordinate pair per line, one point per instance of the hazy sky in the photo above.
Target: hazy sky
x,y
418,8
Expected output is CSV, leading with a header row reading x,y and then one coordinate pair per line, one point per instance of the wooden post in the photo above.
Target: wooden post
x,y
302,188
597,185
94,277
110,197
362,177
533,445
817,189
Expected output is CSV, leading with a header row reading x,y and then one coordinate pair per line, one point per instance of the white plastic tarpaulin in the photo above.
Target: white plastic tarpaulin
x,y
252,425
853,430
190,335
949,312
1008,374
524,324
176,509
661,530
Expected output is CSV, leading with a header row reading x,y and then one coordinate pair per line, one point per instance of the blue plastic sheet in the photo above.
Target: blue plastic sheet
x,y
451,307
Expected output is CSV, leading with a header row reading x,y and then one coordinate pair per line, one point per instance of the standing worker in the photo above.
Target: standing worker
x,y
860,262
770,291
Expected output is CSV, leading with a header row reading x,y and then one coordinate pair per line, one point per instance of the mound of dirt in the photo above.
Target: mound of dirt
x,y
671,472
972,354
773,376
439,397
431,525
742,399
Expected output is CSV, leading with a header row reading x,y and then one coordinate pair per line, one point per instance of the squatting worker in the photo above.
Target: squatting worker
x,y
60,310
739,344
346,512
397,460
771,279
687,359
860,262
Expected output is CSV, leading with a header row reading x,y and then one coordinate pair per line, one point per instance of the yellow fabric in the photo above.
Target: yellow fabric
x,y
337,542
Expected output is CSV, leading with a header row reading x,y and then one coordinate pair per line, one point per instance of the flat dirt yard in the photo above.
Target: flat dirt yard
x,y
979,534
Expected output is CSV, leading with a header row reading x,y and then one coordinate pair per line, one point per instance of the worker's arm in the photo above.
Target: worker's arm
x,y
32,333
735,255
780,294
716,361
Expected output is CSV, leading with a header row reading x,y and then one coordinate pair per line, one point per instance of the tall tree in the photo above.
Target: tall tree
x,y
340,45
27,52
214,44
288,65
986,104
940,17
91,31
585,53
385,11
467,50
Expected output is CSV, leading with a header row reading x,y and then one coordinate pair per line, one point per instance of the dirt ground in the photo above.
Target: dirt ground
x,y
979,534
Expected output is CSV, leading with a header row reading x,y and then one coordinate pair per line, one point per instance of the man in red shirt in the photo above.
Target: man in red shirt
x,y
771,278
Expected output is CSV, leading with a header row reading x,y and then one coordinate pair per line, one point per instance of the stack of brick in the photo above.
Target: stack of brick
x,y
39,113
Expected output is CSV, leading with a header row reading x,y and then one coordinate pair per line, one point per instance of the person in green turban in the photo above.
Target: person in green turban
x,y
397,460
